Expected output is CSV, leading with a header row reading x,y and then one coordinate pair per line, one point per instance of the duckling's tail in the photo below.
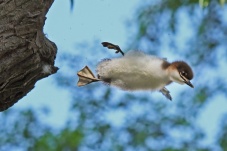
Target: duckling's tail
x,y
86,76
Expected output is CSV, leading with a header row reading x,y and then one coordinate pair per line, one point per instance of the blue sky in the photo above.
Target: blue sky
x,y
90,20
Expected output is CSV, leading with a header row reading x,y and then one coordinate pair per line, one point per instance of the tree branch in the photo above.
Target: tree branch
x,y
26,55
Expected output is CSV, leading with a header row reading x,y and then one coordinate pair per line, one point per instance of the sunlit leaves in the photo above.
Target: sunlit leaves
x,y
204,3
222,2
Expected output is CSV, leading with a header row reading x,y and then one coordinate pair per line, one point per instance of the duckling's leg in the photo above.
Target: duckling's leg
x,y
166,93
112,46
86,76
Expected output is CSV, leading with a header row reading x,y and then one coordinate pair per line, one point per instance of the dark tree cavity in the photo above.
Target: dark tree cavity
x,y
26,55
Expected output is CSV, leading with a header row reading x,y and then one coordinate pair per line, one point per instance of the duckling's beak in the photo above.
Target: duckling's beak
x,y
188,83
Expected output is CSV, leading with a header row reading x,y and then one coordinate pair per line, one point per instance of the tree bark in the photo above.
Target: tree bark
x,y
26,55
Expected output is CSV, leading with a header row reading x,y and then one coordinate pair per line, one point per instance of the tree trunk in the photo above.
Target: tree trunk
x,y
26,55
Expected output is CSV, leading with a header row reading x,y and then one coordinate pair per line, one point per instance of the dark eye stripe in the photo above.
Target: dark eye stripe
x,y
182,77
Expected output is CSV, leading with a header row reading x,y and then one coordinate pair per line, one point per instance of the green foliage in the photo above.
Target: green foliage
x,y
24,130
66,140
20,129
204,3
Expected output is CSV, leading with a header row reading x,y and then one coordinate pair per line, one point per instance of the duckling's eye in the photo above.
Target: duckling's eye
x,y
184,73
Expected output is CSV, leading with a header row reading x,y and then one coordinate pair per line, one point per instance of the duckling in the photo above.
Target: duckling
x,y
136,70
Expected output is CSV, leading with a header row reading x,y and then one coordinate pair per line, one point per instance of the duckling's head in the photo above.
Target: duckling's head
x,y
180,72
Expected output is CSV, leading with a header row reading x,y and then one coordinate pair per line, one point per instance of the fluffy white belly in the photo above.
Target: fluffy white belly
x,y
134,71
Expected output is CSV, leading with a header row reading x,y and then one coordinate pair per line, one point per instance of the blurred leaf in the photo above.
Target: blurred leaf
x,y
71,4
204,3
222,2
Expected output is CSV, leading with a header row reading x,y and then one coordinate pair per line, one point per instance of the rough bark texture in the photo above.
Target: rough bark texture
x,y
26,55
